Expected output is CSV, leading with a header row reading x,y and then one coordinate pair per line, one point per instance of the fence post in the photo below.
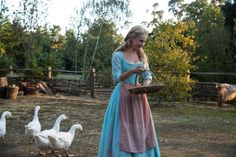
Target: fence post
x,y
11,70
188,76
92,79
49,72
188,82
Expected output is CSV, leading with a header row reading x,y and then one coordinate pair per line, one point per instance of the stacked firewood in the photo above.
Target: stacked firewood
x,y
34,88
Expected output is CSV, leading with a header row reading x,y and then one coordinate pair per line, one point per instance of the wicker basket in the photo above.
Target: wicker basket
x,y
12,92
145,89
3,86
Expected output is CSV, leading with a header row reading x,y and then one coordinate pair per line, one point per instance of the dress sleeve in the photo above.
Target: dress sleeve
x,y
116,67
147,74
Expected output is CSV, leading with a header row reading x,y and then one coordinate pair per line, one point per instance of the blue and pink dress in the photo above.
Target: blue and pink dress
x,y
128,129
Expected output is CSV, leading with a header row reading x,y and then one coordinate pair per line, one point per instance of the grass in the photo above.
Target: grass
x,y
194,130
183,129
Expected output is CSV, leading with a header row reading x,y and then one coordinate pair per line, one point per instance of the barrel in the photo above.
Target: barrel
x,y
3,86
12,92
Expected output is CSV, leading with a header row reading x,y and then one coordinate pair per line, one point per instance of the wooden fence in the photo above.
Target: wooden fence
x,y
101,84
68,82
205,91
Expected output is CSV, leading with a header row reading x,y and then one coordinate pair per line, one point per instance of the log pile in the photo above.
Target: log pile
x,y
34,88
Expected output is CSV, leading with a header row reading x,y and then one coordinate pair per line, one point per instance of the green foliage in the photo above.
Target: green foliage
x,y
5,62
3,10
46,47
170,48
69,51
104,44
39,48
229,13
2,49
204,35
214,53
113,10
10,38
31,13
41,61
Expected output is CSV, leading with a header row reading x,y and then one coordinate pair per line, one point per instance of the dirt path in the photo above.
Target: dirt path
x,y
183,129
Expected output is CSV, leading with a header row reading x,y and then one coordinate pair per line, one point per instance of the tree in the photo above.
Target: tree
x,y
69,56
177,7
170,48
47,50
213,53
157,16
11,36
5,62
229,12
31,14
3,10
113,10
109,40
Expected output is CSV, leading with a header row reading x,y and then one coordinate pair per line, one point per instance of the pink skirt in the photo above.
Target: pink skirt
x,y
137,131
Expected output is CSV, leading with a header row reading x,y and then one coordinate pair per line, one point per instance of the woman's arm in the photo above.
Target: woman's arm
x,y
127,74
147,82
117,73
147,76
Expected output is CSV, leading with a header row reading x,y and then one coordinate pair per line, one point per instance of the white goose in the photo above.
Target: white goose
x,y
3,124
34,126
62,140
41,138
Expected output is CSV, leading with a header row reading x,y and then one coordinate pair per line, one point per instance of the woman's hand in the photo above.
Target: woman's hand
x,y
127,74
138,70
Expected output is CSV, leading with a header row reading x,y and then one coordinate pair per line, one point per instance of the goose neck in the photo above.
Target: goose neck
x,y
56,126
35,115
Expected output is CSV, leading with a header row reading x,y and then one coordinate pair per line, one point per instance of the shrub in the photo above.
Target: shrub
x,y
5,62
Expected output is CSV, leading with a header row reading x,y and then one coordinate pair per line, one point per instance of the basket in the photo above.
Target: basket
x,y
3,86
145,89
12,92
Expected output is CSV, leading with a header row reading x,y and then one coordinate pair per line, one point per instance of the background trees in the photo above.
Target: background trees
x,y
104,47
215,52
200,37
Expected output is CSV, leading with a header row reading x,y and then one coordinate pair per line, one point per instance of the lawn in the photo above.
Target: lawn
x,y
183,129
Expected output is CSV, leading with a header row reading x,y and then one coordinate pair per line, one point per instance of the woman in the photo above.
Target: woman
x,y
128,129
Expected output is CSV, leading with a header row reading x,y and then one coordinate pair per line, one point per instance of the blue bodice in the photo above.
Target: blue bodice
x,y
120,65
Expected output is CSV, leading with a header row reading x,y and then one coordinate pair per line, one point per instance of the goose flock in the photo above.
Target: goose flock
x,y
47,141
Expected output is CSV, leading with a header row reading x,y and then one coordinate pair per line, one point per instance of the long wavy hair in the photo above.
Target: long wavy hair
x,y
135,32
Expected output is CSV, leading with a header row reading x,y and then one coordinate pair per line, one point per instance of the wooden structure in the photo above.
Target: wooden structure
x,y
100,84
205,91
97,84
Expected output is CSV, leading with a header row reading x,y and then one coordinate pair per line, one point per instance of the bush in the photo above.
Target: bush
x,y
5,62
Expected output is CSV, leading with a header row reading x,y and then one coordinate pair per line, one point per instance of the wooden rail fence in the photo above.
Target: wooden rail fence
x,y
101,84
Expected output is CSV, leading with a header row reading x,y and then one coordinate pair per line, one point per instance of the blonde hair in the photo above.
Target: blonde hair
x,y
135,32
